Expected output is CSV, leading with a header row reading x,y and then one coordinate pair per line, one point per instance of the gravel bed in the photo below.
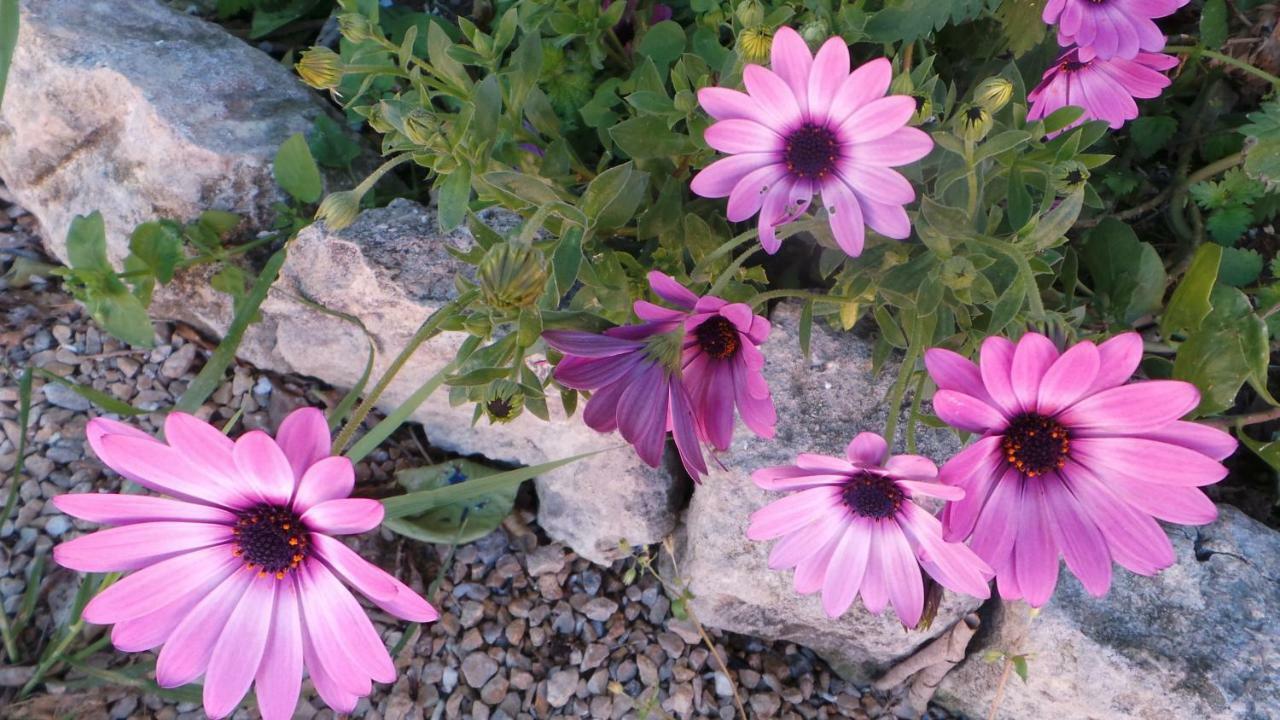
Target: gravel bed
x,y
527,630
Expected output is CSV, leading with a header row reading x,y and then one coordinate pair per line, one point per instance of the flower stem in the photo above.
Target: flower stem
x,y
1024,269
429,329
761,298
1225,59
971,179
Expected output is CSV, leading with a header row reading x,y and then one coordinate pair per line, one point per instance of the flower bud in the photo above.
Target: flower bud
x,y
503,401
750,13
1070,176
320,67
754,44
993,94
419,127
339,209
356,27
511,276
815,31
975,123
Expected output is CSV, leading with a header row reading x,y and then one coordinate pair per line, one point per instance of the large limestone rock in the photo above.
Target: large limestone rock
x,y
1199,640
390,269
822,403
140,111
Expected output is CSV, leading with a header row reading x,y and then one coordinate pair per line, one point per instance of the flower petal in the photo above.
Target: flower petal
x,y
995,361
720,177
829,71
323,597
953,565
1035,553
850,558
346,516
742,136
382,588
158,467
589,345
130,547
205,447
328,653
1032,358
867,449
976,469
185,656
279,676
791,60
1146,461
264,466
912,467
152,588
791,512
1074,532
1202,438
330,478
1068,379
878,118
844,215
867,83
953,371
1135,540
1132,409
238,652
900,147
726,104
966,412
304,438
1118,358
902,574
116,509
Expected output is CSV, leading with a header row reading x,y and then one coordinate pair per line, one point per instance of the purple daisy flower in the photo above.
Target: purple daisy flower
x,y
1110,28
1104,88
1072,460
851,526
810,126
682,371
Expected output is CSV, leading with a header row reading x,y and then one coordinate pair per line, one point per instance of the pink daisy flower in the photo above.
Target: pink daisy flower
x,y
682,371
237,576
1104,88
810,126
849,527
1071,460
1110,28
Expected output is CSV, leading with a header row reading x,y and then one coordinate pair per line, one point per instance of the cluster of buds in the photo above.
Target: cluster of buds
x,y
512,276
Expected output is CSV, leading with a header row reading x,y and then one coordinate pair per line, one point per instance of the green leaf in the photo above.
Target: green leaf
x,y
1022,24
122,314
211,374
1230,348
1226,226
1128,275
662,44
1262,160
454,193
8,39
567,259
416,503
87,243
612,198
1239,267
806,328
296,171
453,523
1019,200
1020,666
158,244
1189,305
647,137
1268,451
1213,24
910,20
1152,134
1053,225
438,44
330,144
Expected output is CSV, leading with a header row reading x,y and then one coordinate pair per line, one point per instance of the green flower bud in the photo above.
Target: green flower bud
x,y
503,401
1070,176
754,44
975,123
340,209
320,67
993,94
511,276
924,109
750,13
815,31
420,127
356,27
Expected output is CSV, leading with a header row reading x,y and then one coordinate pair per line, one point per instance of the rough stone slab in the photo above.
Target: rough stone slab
x,y
391,270
822,403
140,112
1199,640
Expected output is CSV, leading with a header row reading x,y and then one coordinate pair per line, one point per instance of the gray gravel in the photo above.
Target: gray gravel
x,y
527,629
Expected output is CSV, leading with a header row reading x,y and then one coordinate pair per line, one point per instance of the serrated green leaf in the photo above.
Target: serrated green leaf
x,y
1226,226
1239,267
910,20
1022,24
330,145
1152,134
296,171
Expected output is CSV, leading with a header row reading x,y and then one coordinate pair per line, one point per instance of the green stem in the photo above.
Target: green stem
x,y
368,183
1194,51
761,298
206,259
732,270
724,249
1024,269
900,390
971,179
428,330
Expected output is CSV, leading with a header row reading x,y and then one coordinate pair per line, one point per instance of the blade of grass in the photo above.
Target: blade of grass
x,y
211,374
372,439
8,39
24,416
97,397
28,607
416,503
348,401
56,651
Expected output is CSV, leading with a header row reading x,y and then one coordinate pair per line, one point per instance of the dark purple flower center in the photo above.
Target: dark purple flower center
x,y
1035,444
811,152
718,338
873,496
270,538
1070,66
499,408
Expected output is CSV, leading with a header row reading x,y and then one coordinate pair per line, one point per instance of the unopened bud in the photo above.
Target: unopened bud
x,y
503,401
993,94
356,27
750,13
754,44
340,209
320,67
975,123
815,31
512,276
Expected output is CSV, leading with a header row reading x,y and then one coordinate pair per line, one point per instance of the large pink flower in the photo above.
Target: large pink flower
x,y
809,126
1104,88
1110,28
849,526
680,370
1071,461
238,578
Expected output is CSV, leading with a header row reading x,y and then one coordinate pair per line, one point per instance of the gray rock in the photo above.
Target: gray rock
x,y
141,112
822,403
64,397
477,668
177,364
561,687
391,269
1199,640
